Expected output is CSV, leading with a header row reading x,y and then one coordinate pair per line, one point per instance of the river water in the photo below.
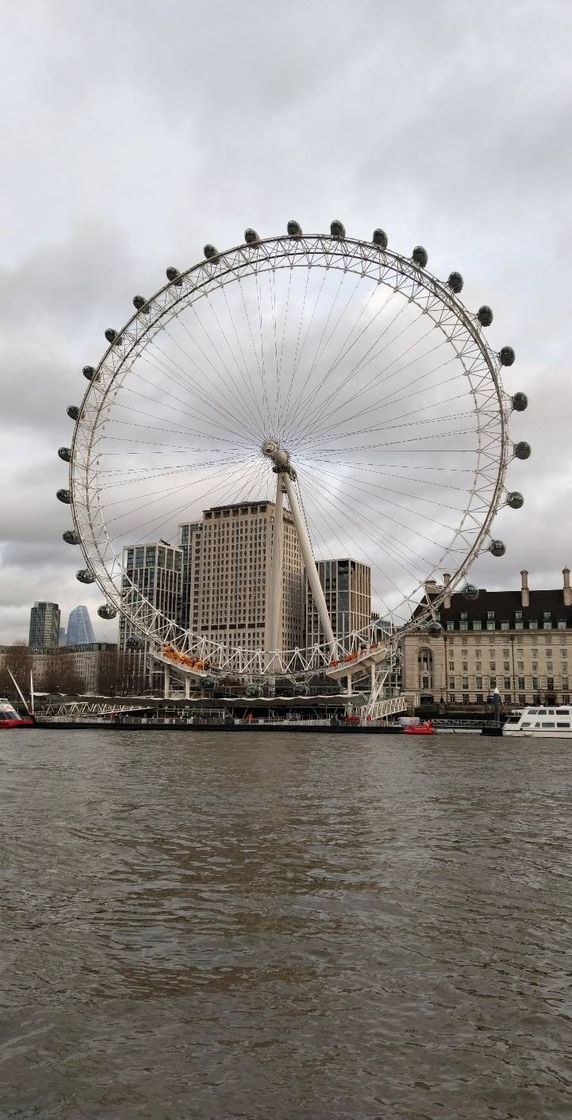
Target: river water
x,y
261,927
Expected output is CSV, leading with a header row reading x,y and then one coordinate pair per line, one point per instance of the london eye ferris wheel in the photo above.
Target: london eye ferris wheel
x,y
331,376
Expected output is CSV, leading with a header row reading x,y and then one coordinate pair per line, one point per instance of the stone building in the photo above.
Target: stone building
x,y
517,641
83,662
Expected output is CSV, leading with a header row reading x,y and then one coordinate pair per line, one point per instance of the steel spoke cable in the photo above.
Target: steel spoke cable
x,y
280,360
180,412
262,360
169,447
398,550
272,286
340,357
169,368
226,448
393,544
157,473
389,501
362,310
362,362
259,382
387,517
367,428
293,406
396,423
401,493
414,424
296,351
229,386
183,429
319,496
244,374
131,425
378,469
170,374
250,486
186,380
422,376
254,398
384,401
419,450
215,401
396,427
168,519
157,495
383,376
320,342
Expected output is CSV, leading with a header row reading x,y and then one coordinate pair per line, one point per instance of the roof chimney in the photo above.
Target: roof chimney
x,y
447,599
524,591
567,590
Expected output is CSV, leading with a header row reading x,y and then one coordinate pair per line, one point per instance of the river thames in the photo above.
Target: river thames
x,y
283,927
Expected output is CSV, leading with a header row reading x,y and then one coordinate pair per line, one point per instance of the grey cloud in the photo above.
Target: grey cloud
x,y
132,141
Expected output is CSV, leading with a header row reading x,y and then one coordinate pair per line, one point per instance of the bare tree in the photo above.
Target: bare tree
x,y
60,676
19,659
121,674
108,673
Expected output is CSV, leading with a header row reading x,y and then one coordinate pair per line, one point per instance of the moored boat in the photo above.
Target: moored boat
x,y
420,729
9,716
540,723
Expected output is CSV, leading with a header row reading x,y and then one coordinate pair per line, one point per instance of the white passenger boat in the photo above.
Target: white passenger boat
x,y
541,723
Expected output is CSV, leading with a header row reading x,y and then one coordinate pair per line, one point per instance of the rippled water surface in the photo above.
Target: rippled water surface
x,y
280,927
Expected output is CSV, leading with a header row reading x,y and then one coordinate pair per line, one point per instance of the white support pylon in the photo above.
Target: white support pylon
x,y
274,598
287,475
309,563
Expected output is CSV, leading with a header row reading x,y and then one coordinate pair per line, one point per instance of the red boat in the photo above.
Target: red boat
x,y
10,718
420,729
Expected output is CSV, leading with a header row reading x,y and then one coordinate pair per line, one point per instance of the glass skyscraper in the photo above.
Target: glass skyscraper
x,y
80,631
44,626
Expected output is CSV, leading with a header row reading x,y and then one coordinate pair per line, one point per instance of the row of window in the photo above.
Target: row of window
x,y
494,682
491,624
522,698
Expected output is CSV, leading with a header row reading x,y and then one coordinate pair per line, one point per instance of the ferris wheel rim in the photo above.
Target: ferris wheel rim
x,y
307,251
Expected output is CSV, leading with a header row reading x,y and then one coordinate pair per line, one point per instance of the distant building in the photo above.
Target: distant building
x,y
347,590
189,543
86,661
62,638
517,641
80,631
227,564
44,626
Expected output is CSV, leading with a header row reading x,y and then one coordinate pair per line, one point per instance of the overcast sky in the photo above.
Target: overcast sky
x,y
135,131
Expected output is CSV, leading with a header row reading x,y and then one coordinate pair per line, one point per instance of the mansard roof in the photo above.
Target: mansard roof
x,y
505,605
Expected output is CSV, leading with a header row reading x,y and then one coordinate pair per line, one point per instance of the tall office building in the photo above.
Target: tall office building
x,y
44,626
228,559
80,631
189,543
155,570
347,590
